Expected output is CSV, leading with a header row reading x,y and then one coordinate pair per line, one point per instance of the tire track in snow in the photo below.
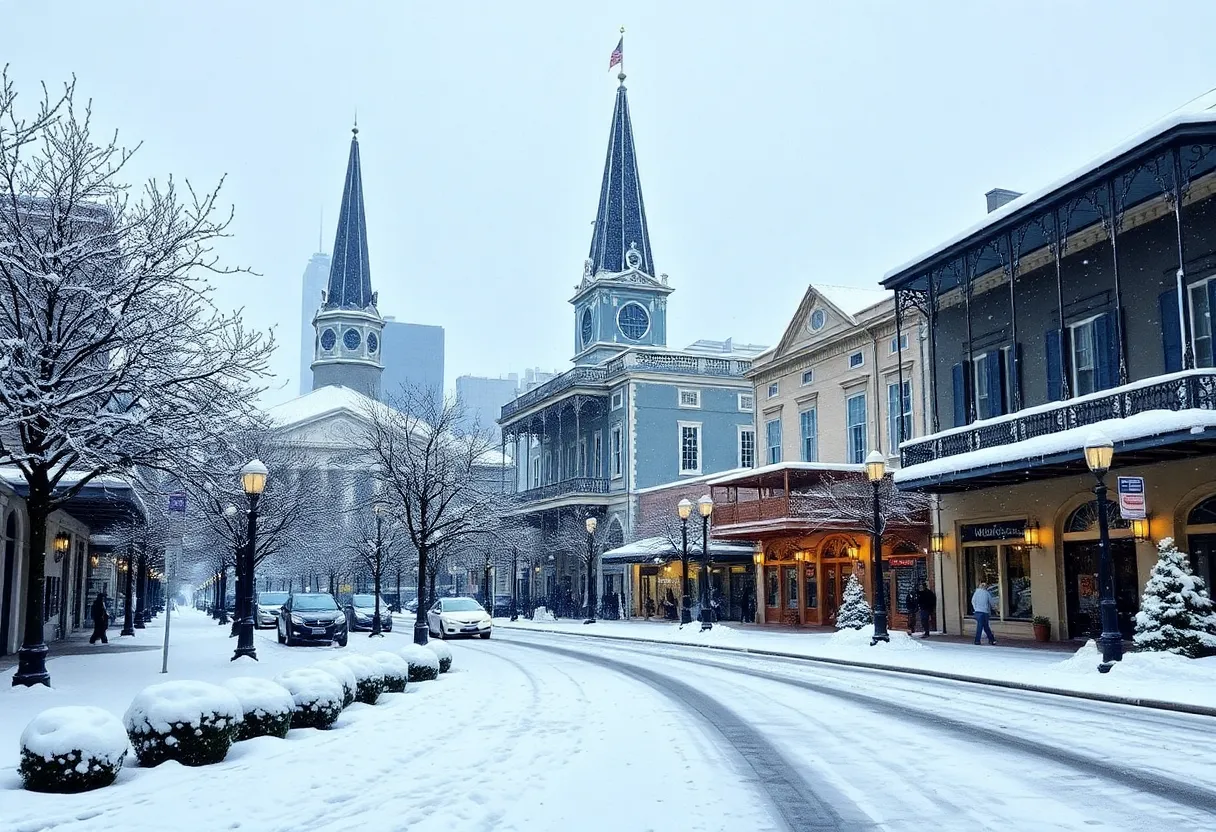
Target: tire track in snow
x,y
800,804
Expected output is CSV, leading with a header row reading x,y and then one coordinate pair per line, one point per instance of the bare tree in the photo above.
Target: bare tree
x,y
844,501
437,475
113,356
376,549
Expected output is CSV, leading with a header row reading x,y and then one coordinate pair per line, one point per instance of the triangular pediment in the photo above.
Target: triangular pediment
x,y
337,429
817,319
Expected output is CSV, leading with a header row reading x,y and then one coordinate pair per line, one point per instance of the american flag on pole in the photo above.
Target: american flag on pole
x,y
618,54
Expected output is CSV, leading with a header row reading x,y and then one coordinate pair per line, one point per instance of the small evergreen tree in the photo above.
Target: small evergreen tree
x,y
854,611
1176,613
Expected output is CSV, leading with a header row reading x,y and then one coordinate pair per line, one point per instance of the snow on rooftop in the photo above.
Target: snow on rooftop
x,y
742,474
851,299
1196,111
662,547
689,480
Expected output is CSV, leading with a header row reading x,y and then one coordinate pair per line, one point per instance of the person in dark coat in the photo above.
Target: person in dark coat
x,y
926,603
912,602
749,608
101,619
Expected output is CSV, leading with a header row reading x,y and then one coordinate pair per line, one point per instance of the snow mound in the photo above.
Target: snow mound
x,y
157,708
443,653
858,641
344,675
267,706
396,670
318,696
72,749
424,664
543,614
368,675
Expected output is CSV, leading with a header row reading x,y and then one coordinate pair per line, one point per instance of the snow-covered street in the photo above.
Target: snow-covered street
x,y
539,731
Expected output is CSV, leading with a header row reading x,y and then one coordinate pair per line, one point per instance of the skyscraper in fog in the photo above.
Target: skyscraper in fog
x,y
413,356
316,276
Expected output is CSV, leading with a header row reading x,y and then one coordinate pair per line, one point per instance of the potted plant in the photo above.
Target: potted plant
x,y
1042,628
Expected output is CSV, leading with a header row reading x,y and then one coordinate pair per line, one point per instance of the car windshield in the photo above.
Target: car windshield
x,y
367,601
313,602
460,605
272,599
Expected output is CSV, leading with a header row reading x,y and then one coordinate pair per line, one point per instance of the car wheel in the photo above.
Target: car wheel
x,y
278,631
485,635
288,639
342,641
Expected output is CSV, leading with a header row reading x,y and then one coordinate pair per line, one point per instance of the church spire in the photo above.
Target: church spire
x,y
350,283
620,220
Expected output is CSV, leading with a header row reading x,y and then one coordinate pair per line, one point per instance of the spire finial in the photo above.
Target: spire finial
x,y
355,129
620,76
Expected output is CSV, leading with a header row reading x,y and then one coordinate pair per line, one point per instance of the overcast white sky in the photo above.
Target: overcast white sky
x,y
779,143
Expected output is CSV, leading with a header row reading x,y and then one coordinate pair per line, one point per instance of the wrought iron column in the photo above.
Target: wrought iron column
x,y
1057,247
1113,233
899,364
968,379
1014,369
1184,300
932,374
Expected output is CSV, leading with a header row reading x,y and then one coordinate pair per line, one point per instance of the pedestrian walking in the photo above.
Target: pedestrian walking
x,y
101,619
926,602
912,602
749,608
981,604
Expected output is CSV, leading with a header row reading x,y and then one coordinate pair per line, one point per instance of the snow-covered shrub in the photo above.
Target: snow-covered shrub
x,y
72,749
194,723
443,653
396,670
316,694
267,707
1176,613
542,614
341,672
854,611
424,665
368,677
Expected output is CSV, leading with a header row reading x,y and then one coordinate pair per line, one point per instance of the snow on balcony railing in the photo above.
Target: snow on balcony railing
x,y
574,485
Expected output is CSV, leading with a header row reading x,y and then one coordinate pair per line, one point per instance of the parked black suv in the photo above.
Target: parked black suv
x,y
312,618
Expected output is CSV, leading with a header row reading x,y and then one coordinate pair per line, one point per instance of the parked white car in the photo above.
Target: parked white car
x,y
458,617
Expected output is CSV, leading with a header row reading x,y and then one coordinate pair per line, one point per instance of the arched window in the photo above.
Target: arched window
x,y
616,536
836,547
1203,514
1085,518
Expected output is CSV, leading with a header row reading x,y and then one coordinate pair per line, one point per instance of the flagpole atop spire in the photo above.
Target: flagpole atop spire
x,y
618,57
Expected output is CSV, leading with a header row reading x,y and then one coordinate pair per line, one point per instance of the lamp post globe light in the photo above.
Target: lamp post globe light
x,y
684,510
591,524
705,506
876,470
1099,451
253,481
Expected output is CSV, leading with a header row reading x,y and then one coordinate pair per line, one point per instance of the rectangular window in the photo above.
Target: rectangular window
x,y
772,586
774,390
812,587
772,441
895,405
791,587
747,402
690,398
617,466
597,457
856,360
618,400
536,472
1201,321
548,467
690,447
582,457
808,376
747,446
899,344
1084,358
979,383
808,434
1017,582
981,566
1007,371
855,409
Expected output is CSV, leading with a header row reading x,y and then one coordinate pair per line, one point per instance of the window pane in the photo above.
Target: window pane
x,y
1017,582
809,429
791,587
772,586
812,587
772,440
690,450
747,448
1201,324
856,409
981,566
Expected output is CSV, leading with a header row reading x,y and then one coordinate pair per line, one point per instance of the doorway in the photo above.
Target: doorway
x,y
1083,591
1203,556
9,554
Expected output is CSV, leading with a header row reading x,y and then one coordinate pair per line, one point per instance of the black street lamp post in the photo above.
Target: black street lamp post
x,y
379,564
141,589
253,480
591,524
1099,451
876,470
705,506
127,628
684,510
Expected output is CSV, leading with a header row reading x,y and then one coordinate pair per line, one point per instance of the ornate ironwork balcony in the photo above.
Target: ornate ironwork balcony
x,y
1193,390
575,377
574,485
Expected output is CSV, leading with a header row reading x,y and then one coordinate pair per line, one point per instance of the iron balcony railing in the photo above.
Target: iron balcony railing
x,y
574,485
1187,391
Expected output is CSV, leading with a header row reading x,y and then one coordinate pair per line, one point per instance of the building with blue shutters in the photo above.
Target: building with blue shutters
x,y
631,413
1083,308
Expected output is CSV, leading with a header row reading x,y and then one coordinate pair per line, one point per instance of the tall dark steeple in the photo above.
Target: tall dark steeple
x,y
620,220
348,325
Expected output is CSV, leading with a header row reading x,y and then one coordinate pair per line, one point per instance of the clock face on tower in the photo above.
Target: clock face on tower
x,y
633,321
351,339
328,339
586,327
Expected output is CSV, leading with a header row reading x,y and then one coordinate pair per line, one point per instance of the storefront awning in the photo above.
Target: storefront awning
x,y
649,549
102,504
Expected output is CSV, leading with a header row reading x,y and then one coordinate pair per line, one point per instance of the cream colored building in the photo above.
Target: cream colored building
x,y
830,390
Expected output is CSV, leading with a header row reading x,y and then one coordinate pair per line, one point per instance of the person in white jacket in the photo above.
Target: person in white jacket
x,y
982,603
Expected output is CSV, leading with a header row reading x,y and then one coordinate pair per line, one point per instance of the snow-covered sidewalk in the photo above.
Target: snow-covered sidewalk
x,y
1156,677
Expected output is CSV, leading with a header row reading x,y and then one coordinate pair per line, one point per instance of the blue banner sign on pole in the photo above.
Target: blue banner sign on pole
x,y
177,502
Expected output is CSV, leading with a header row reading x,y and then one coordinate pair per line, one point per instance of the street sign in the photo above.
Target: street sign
x,y
1132,505
177,501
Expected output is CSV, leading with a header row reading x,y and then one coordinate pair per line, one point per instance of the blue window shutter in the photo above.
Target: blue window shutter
x,y
960,395
1014,361
1211,319
1171,330
993,368
1104,353
1055,384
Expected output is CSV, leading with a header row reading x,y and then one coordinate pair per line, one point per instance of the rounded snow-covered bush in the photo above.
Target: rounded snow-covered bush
x,y
72,749
396,670
443,653
317,696
368,676
343,673
267,707
191,722
424,665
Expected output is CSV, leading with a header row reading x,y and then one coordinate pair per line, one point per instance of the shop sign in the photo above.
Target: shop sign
x,y
1003,530
1132,505
898,562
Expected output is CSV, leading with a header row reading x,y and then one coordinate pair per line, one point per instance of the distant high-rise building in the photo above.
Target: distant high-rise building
x,y
413,357
483,399
534,377
316,276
